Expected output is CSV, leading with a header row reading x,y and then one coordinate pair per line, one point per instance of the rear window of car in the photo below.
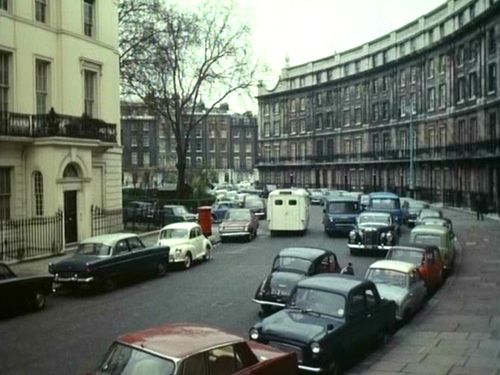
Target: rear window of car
x,y
97,249
427,239
410,256
343,207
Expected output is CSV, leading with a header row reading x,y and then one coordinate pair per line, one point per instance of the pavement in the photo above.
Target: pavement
x,y
458,331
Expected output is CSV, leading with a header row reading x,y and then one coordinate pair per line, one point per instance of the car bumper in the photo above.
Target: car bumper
x,y
339,227
234,234
313,370
268,303
369,247
73,280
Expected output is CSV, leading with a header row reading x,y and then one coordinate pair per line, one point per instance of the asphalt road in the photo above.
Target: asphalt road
x,y
73,332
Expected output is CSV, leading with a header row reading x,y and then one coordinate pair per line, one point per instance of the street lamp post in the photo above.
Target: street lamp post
x,y
412,155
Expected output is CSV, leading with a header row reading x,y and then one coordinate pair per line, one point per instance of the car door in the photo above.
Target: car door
x,y
142,260
121,259
199,241
357,322
417,290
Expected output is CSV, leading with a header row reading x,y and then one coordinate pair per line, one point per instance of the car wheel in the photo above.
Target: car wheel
x,y
39,300
188,261
161,269
208,254
109,285
248,237
406,316
383,337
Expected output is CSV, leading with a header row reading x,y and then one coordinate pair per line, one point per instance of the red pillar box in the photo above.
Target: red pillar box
x,y
205,220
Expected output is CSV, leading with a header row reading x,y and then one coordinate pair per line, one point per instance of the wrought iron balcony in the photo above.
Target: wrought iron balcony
x,y
56,125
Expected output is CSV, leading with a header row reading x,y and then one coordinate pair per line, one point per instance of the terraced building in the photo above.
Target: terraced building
x,y
415,111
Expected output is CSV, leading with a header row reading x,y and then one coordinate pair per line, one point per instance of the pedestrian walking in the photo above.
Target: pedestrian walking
x,y
478,206
347,270
483,205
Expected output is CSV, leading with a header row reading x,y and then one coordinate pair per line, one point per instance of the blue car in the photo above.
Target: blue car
x,y
387,202
340,213
219,209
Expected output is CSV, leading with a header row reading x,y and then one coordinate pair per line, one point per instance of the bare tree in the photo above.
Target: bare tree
x,y
186,59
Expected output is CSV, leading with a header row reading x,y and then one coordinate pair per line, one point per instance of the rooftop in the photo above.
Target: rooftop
x,y
332,282
302,252
395,265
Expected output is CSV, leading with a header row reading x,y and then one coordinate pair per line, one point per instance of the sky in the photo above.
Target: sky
x,y
306,30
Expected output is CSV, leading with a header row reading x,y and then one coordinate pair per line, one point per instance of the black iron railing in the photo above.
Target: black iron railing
x,y
106,221
31,237
56,125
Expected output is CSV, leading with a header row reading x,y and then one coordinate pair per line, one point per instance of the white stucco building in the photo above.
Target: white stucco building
x,y
62,55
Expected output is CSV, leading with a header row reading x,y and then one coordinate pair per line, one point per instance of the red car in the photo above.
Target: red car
x,y
426,257
187,349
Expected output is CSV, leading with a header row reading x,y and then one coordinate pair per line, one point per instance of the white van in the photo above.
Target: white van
x,y
288,210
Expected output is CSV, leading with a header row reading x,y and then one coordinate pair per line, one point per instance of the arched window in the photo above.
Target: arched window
x,y
38,192
71,170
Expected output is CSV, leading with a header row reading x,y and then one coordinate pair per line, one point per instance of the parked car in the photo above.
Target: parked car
x,y
375,232
444,221
291,265
413,211
426,257
400,282
169,214
188,349
105,260
23,292
439,236
340,214
239,222
257,206
316,196
219,209
328,318
428,213
186,242
138,212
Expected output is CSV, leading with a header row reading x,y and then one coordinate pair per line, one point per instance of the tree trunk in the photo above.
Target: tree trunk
x,y
184,191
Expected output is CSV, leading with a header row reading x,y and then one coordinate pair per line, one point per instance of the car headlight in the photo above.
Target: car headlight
x,y
178,252
352,235
331,219
382,235
390,236
254,334
315,348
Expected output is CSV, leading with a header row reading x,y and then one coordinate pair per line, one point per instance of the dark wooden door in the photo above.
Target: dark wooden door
x,y
70,217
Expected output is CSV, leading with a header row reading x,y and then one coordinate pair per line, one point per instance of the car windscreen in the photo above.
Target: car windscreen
x,y
254,203
384,203
368,218
409,256
180,211
174,233
428,239
343,207
287,263
124,360
237,215
430,213
319,301
97,249
389,277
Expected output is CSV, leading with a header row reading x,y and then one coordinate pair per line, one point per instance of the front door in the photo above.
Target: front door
x,y
70,212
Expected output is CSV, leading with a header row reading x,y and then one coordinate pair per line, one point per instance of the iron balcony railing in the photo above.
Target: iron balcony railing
x,y
481,149
56,125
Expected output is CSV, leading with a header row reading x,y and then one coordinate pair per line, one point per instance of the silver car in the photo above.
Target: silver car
x,y
400,282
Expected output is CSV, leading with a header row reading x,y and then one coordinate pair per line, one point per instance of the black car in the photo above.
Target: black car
x,y
375,233
257,206
169,214
18,292
105,260
413,210
138,212
328,318
289,267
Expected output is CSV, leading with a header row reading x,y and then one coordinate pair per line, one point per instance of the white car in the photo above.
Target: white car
x,y
187,243
401,282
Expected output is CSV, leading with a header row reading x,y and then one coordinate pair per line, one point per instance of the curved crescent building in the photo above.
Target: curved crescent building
x,y
415,111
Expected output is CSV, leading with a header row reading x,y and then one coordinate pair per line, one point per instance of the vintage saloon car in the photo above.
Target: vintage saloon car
x,y
239,222
186,242
444,221
187,349
375,232
400,282
427,213
413,210
19,292
291,265
439,236
328,318
426,257
105,260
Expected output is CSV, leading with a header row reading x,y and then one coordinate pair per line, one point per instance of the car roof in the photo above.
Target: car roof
x,y
342,198
395,265
108,239
179,340
414,247
375,213
181,225
293,192
434,229
239,209
172,205
332,282
304,252
383,194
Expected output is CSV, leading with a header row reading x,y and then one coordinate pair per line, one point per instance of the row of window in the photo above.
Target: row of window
x,y
393,52
43,86
5,193
42,13
198,132
198,146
